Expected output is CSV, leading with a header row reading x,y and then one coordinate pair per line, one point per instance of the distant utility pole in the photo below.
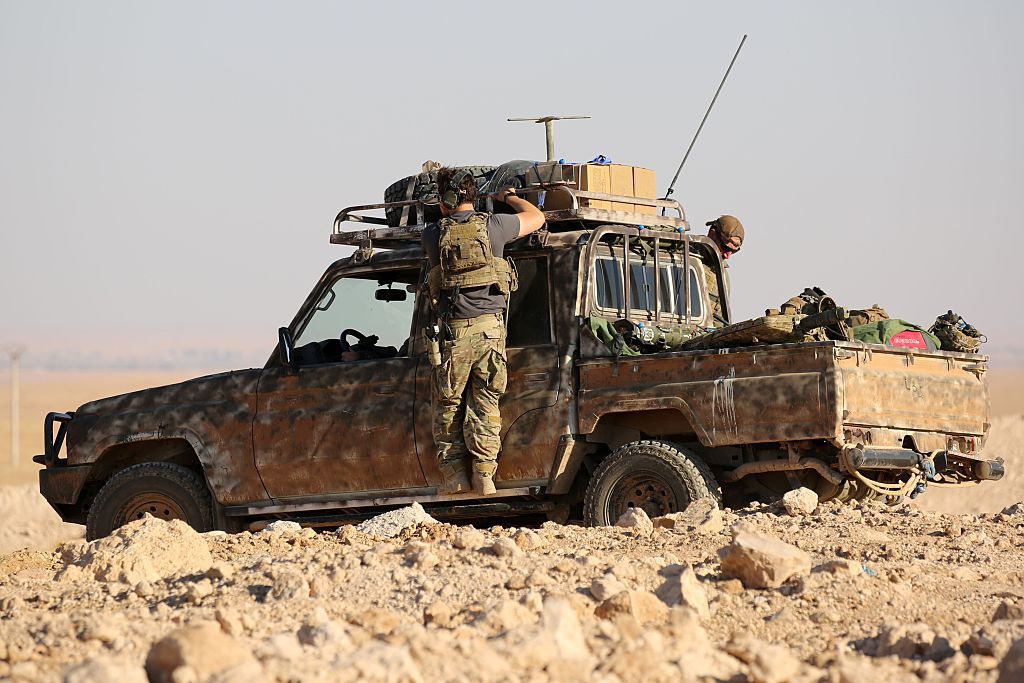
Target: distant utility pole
x,y
14,353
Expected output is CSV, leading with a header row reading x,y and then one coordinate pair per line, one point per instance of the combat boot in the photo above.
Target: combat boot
x,y
453,481
483,484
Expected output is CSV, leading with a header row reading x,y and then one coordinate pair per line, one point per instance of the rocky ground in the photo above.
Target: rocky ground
x,y
794,591
863,593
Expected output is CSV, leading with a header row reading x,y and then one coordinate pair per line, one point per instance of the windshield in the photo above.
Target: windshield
x,y
352,303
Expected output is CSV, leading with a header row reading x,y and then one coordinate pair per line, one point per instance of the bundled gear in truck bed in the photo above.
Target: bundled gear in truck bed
x,y
809,316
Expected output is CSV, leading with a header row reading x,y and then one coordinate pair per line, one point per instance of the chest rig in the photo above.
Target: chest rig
x,y
466,260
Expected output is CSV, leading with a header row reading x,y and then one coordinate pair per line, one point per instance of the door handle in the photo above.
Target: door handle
x,y
537,377
386,389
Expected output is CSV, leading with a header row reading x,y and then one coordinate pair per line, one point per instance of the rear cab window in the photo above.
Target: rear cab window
x,y
653,282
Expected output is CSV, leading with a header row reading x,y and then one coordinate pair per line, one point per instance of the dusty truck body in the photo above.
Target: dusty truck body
x,y
333,429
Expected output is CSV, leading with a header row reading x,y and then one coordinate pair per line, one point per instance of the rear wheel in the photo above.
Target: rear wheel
x,y
655,476
162,489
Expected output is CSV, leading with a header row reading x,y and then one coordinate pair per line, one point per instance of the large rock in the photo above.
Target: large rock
x,y
702,516
469,538
394,522
645,607
911,641
1008,610
604,587
760,561
505,615
768,663
636,520
105,670
558,642
318,630
205,651
1011,669
685,589
800,502
148,549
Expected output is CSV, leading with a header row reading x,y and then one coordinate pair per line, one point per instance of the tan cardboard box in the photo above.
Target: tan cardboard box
x,y
622,183
595,178
645,185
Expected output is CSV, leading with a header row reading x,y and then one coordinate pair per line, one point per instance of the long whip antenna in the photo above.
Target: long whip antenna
x,y
702,121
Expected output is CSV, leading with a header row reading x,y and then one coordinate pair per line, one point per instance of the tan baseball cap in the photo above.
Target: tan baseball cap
x,y
728,227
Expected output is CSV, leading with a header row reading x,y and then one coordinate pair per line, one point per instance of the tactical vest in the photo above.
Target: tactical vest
x,y
466,259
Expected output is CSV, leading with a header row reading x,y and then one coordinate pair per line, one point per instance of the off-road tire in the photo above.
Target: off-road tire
x,y
424,185
658,476
163,489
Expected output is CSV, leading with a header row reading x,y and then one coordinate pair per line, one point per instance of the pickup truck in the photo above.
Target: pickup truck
x,y
336,425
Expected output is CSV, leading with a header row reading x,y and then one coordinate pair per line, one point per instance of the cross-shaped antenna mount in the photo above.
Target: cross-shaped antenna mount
x,y
549,129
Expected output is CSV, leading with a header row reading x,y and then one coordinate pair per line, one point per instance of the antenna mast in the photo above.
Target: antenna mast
x,y
549,129
708,112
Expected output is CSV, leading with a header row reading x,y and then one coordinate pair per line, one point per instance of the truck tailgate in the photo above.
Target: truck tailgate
x,y
896,388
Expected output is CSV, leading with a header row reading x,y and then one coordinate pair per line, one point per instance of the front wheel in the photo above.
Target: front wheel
x,y
656,476
162,489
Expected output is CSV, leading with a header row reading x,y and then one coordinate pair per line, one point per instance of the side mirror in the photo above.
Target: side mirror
x,y
284,348
390,295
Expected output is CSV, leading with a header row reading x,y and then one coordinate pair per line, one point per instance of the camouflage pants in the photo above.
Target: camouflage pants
x,y
467,387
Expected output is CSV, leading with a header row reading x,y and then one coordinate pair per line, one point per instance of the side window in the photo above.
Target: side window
x,y
609,289
608,281
376,304
673,294
529,309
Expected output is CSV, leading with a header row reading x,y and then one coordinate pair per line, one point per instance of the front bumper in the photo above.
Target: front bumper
x,y
60,483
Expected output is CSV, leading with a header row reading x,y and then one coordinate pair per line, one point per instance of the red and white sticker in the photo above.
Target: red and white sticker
x,y
909,339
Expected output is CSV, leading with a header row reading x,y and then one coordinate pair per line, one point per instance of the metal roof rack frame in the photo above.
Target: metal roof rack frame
x,y
580,217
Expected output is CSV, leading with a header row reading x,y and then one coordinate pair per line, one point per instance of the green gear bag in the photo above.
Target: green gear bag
x,y
604,331
882,331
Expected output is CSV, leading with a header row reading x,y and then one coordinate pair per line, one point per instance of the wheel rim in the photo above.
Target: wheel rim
x,y
156,504
642,490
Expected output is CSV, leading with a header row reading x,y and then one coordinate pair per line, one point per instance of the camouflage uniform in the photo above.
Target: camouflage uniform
x,y
467,386
469,285
728,227
711,281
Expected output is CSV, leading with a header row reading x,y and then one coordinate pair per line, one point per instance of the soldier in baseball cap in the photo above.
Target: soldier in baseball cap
x,y
727,233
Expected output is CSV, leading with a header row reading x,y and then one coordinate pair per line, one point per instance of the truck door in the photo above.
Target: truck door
x,y
529,432
342,423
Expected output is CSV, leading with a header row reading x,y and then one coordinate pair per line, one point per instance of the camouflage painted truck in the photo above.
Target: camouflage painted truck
x,y
336,425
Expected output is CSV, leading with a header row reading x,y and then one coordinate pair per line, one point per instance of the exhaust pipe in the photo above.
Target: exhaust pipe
x,y
885,458
989,470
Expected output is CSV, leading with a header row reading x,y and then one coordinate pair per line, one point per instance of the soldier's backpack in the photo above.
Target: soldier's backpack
x,y
466,259
956,334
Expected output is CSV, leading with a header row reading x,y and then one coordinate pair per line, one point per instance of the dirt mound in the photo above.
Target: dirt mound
x,y
148,549
30,522
892,593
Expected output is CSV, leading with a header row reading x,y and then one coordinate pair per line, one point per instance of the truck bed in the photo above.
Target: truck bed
x,y
789,392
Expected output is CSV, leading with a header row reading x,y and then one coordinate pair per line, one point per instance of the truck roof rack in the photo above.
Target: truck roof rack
x,y
572,218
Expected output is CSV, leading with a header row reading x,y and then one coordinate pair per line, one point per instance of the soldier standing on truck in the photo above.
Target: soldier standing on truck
x,y
727,233
469,283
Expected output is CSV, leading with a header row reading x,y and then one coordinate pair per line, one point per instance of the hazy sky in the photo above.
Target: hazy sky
x,y
169,171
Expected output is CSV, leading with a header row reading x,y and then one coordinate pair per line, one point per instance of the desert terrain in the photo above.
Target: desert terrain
x,y
931,590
